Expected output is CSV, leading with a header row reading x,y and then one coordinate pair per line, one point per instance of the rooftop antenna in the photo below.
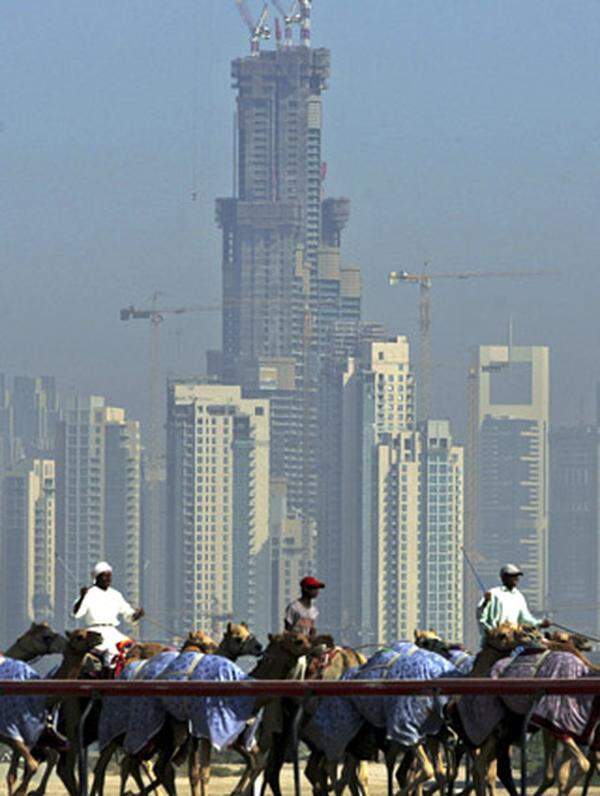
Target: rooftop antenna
x,y
259,30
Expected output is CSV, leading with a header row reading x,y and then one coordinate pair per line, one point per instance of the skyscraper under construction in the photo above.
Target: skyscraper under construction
x,y
284,286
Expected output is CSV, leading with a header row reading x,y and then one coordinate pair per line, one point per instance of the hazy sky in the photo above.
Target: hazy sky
x,y
465,133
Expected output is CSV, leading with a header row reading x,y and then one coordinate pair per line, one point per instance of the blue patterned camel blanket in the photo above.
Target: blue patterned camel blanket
x,y
218,719
22,718
406,719
114,716
574,716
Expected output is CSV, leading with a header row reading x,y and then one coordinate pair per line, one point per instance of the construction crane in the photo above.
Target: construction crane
x,y
258,30
425,280
290,18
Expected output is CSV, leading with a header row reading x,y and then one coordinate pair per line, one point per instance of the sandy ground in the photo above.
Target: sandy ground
x,y
219,785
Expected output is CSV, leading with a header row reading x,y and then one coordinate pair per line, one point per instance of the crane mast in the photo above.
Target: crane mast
x,y
290,18
425,281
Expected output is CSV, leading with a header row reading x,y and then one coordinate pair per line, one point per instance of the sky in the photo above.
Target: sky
x,y
466,133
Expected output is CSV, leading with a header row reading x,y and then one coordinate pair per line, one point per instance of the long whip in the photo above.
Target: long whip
x,y
473,570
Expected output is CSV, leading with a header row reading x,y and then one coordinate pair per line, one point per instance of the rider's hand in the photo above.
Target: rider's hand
x,y
139,613
487,596
545,623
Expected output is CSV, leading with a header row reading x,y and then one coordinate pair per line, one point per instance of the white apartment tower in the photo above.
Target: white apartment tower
x,y
27,565
217,506
400,563
442,511
98,481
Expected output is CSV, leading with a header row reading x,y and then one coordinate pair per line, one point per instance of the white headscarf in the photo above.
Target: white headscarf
x,y
101,566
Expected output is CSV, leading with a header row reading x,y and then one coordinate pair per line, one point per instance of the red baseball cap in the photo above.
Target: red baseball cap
x,y
311,583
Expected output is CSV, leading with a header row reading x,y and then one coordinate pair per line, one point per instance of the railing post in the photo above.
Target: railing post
x,y
296,722
82,750
525,725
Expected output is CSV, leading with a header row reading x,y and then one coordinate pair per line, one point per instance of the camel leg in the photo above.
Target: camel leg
x,y
203,769
550,748
436,754
594,759
422,772
101,766
484,768
573,766
360,778
12,773
31,765
66,771
391,753
317,772
51,758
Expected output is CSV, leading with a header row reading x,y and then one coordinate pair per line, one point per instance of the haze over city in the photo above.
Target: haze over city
x,y
465,135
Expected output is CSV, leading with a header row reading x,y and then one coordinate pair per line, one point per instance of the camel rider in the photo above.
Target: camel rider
x,y
506,603
100,607
301,615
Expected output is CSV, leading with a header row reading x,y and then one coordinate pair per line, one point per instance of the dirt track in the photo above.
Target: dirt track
x,y
221,785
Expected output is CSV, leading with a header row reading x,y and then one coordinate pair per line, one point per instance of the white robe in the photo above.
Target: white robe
x,y
100,610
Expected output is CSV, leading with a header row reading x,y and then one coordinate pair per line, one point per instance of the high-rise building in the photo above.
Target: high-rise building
x,y
442,484
287,559
36,413
284,284
574,532
392,518
27,552
512,466
98,480
217,506
374,596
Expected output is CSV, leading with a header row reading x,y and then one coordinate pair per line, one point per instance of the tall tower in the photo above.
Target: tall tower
x,y
284,284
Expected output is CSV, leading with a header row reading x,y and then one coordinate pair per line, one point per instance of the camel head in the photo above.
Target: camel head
x,y
238,640
429,640
581,643
39,639
199,641
502,638
323,640
290,644
80,642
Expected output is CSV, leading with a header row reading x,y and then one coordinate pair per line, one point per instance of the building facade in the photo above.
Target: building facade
x,y
284,284
28,547
574,533
512,466
442,537
98,485
217,507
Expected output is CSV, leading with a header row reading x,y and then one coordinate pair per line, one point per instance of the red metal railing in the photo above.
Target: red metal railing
x,y
293,688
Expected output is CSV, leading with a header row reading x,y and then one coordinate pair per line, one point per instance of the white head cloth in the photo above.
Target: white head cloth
x,y
101,566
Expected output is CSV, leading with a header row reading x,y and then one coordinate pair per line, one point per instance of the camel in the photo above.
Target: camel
x,y
38,640
237,641
78,644
278,662
564,760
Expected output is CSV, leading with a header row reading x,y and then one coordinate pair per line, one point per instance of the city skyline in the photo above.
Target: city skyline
x,y
302,446
98,273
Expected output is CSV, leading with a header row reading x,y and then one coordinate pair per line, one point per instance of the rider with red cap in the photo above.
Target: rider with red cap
x,y
301,615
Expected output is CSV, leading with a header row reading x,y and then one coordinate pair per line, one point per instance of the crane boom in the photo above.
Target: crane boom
x,y
425,280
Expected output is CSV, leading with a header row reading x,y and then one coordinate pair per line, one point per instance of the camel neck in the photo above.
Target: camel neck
x,y
485,659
